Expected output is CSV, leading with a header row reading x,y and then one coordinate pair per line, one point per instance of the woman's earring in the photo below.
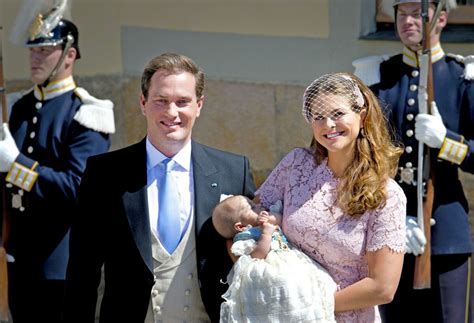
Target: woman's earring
x,y
362,133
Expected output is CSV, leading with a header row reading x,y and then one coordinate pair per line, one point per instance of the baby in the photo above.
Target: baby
x,y
270,280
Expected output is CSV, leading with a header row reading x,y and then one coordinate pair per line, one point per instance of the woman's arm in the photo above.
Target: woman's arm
x,y
385,267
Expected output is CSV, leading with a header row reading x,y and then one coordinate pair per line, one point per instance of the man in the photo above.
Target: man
x,y
163,260
54,127
449,132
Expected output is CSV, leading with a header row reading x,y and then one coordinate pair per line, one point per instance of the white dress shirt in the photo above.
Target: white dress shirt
x,y
182,172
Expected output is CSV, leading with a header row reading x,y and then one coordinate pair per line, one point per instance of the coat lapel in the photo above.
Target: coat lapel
x,y
206,184
136,203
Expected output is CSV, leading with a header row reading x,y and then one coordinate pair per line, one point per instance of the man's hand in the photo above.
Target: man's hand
x,y
429,128
415,237
8,149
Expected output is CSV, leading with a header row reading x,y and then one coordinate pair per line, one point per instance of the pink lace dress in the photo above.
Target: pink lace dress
x,y
313,222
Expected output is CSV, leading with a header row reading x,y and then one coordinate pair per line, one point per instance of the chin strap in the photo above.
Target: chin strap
x,y
69,41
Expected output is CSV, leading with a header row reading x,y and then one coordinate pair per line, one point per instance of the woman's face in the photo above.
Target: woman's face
x,y
335,125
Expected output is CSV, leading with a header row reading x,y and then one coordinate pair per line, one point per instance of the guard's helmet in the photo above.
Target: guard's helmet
x,y
60,34
449,4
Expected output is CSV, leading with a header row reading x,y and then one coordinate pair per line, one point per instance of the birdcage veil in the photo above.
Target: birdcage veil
x,y
323,98
51,10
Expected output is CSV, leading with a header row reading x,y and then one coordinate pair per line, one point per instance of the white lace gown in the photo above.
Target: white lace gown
x,y
286,286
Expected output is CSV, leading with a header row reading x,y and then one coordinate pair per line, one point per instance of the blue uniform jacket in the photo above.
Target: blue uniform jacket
x,y
454,95
56,146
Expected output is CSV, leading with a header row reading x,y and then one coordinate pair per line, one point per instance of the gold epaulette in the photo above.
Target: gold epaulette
x,y
453,151
22,176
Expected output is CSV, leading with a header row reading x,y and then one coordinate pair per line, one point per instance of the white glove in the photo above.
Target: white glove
x,y
415,237
429,128
8,150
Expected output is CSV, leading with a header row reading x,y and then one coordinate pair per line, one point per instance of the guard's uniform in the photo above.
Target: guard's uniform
x,y
56,129
450,237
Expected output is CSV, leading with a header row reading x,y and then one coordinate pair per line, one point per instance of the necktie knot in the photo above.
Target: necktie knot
x,y
168,164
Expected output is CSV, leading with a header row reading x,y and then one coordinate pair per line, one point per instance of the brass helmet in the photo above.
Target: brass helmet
x,y
448,5
64,33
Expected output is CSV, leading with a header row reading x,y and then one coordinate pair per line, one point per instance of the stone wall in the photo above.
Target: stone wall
x,y
261,121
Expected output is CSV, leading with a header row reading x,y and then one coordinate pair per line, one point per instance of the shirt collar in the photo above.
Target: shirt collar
x,y
411,58
154,156
54,88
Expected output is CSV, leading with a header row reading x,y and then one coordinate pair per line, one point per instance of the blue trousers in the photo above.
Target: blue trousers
x,y
447,301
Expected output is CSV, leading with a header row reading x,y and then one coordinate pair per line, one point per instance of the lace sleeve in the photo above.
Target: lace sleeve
x,y
273,189
387,224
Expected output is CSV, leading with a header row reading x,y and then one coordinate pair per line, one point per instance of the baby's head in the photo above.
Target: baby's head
x,y
234,214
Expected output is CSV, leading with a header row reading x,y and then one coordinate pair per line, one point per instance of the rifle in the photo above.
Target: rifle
x,y
425,173
5,223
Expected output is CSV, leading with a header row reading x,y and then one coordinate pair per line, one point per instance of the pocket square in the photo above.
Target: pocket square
x,y
224,196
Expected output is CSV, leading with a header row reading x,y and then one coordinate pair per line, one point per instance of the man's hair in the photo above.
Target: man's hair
x,y
226,214
173,64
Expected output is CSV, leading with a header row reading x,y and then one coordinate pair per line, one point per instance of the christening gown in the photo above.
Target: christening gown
x,y
314,223
286,286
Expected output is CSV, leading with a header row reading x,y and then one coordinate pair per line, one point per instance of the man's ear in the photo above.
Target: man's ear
x,y
200,102
442,19
70,57
142,104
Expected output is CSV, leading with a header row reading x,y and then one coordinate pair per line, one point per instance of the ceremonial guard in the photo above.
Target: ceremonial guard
x,y
449,132
53,128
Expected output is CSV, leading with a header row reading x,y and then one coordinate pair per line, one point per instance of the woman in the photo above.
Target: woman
x,y
341,205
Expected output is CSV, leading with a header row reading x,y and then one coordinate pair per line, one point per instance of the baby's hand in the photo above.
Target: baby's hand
x,y
268,228
263,217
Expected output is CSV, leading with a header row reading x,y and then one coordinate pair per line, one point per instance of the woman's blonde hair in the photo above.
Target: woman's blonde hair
x,y
362,187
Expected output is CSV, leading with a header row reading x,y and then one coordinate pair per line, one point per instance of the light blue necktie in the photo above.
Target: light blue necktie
x,y
168,203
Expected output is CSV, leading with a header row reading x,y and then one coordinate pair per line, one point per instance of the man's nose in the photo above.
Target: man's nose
x,y
172,109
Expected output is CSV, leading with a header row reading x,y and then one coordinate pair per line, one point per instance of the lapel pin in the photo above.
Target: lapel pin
x,y
214,185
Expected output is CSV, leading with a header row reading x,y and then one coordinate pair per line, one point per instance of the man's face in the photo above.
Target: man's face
x,y
410,24
43,59
171,110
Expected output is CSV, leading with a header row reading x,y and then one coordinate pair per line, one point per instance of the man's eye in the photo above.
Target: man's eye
x,y
182,103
